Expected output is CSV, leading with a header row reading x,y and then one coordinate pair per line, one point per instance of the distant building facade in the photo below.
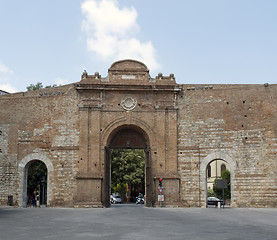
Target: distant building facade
x,y
214,171
182,129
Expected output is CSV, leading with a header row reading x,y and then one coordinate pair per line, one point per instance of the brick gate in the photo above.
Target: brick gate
x,y
127,110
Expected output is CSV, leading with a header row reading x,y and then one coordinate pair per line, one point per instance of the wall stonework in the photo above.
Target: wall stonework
x,y
238,121
182,127
39,122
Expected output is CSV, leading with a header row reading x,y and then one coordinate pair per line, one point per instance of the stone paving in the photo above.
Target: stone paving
x,y
137,222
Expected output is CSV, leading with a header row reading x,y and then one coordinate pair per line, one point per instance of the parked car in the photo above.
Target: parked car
x,y
214,201
115,199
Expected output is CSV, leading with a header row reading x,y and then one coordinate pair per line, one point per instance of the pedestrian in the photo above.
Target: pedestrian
x,y
34,199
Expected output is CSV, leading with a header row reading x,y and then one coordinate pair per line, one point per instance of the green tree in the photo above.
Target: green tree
x,y
39,85
36,173
227,192
35,86
127,169
210,193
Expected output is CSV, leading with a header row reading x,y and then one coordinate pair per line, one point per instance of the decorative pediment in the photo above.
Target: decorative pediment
x,y
126,74
128,71
129,65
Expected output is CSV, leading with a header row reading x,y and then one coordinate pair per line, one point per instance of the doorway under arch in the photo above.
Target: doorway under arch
x,y
128,137
23,168
36,183
127,174
217,170
203,175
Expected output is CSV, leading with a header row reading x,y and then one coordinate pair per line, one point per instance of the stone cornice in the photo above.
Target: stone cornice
x,y
124,87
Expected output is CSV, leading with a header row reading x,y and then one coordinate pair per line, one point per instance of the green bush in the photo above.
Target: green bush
x,y
218,191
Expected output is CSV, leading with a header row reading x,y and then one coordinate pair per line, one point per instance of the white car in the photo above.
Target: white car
x,y
115,199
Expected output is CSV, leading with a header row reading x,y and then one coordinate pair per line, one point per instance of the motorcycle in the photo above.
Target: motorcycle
x,y
140,200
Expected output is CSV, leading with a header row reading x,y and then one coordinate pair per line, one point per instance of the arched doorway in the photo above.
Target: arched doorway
x,y
127,175
23,168
36,183
218,181
128,137
203,175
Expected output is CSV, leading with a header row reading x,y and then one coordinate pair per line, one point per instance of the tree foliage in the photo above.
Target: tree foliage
x,y
127,168
227,192
210,193
38,85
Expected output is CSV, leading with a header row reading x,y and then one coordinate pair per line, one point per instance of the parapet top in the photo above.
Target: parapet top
x,y
127,72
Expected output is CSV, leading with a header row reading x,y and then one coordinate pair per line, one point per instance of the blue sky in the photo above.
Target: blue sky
x,y
200,41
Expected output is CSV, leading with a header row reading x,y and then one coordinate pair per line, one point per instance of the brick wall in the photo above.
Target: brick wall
x,y
43,122
239,121
65,129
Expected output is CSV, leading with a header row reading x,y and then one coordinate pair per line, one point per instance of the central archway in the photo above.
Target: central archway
x,y
128,137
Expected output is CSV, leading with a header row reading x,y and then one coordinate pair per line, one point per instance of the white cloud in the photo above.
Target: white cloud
x,y
4,68
61,81
110,33
8,88
105,17
5,76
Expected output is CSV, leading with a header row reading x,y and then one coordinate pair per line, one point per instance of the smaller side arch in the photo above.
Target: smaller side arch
x,y
22,194
203,165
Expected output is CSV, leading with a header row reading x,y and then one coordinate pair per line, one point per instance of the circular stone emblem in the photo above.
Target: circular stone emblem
x,y
128,102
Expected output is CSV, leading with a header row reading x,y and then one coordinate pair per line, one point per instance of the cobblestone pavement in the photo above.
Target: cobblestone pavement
x,y
137,222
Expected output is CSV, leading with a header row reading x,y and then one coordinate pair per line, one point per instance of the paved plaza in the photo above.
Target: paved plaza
x,y
137,222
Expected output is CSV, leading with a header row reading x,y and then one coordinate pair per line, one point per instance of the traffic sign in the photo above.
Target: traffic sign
x,y
160,189
160,198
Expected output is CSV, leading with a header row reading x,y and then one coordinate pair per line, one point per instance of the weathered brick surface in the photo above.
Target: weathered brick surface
x,y
184,127
239,121
45,122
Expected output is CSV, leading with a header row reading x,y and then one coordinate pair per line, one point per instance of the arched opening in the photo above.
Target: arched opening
x,y
128,144
218,182
127,175
23,167
36,172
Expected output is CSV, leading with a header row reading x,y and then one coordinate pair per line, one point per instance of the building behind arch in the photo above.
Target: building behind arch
x,y
181,127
